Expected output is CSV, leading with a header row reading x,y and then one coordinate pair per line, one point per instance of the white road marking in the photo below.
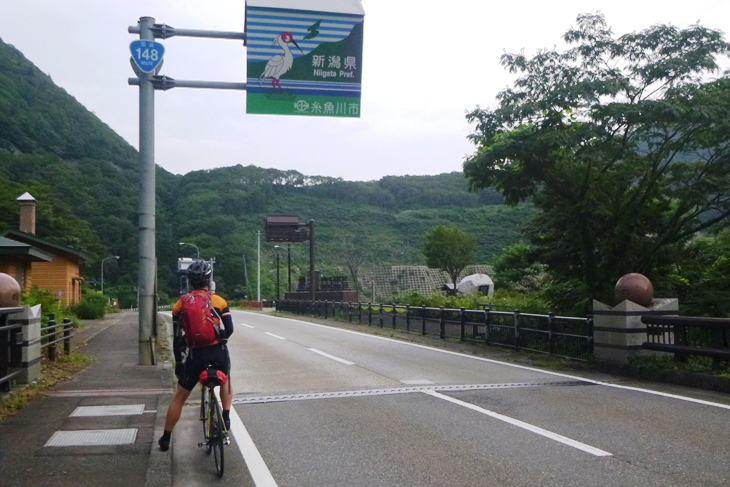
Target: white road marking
x,y
523,367
247,326
338,359
254,461
275,336
521,424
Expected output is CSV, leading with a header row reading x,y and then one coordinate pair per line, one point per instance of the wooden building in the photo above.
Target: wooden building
x,y
36,262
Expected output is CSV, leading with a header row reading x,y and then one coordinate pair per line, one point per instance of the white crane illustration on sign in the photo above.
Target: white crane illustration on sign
x,y
279,65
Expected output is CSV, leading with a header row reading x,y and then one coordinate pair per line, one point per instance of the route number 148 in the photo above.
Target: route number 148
x,y
148,54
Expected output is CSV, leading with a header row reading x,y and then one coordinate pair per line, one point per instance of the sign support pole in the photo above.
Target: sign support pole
x,y
146,283
312,284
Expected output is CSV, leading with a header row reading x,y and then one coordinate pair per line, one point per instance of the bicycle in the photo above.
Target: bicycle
x,y
211,414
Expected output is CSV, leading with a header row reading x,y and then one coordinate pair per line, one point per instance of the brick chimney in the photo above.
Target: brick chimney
x,y
27,213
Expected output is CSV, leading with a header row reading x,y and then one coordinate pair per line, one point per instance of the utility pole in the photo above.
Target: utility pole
x,y
276,247
245,274
288,259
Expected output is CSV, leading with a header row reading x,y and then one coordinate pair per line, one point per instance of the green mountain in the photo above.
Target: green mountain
x,y
85,179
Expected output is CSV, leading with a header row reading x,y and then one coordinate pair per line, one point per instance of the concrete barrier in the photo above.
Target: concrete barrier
x,y
618,332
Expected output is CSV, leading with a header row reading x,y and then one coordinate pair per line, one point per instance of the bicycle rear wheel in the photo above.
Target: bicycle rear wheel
x,y
216,440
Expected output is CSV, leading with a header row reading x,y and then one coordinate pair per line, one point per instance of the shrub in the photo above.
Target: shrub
x,y
50,305
91,307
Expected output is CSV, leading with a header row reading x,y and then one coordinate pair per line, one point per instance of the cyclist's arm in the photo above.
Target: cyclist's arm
x,y
220,305
178,340
227,321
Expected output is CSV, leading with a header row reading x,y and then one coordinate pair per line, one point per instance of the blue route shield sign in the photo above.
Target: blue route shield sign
x,y
147,55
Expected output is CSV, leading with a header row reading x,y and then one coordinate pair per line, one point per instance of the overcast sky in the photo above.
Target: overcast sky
x,y
424,65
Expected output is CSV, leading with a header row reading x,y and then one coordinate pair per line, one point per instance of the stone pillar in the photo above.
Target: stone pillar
x,y
30,318
618,332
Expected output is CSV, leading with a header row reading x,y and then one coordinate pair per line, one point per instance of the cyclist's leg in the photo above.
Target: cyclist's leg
x,y
227,395
175,409
186,383
226,390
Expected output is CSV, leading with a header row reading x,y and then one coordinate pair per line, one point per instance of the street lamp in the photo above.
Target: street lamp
x,y
277,247
102,270
192,245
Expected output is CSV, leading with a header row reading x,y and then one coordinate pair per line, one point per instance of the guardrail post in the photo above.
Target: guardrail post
x,y
462,336
517,329
325,309
67,336
380,315
487,322
359,312
551,333
394,312
442,325
423,319
349,308
408,317
370,314
50,330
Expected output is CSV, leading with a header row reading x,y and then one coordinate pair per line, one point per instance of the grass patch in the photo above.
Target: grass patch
x,y
52,373
703,365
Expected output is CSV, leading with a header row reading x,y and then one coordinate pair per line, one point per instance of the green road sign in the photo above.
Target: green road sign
x,y
304,62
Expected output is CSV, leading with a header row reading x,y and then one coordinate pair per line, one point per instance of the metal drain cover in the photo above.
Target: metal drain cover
x,y
122,410
405,390
93,437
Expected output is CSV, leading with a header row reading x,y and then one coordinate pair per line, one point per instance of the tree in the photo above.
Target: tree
x,y
352,256
450,249
622,144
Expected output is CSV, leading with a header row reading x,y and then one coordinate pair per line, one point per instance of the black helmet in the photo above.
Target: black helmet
x,y
199,274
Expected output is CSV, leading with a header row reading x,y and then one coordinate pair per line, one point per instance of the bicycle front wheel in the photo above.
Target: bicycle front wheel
x,y
216,440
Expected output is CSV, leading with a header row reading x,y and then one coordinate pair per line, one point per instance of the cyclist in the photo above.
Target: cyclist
x,y
197,359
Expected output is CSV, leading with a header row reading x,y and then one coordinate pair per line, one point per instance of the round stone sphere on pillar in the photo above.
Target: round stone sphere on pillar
x,y
9,291
636,288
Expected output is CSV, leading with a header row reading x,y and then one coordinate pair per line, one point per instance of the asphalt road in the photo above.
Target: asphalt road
x,y
322,406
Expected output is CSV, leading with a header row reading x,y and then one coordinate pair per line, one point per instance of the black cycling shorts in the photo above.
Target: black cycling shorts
x,y
198,360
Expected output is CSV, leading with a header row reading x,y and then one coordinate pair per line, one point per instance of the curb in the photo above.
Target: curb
x,y
159,465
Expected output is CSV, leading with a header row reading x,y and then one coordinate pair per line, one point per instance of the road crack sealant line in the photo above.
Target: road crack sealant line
x,y
516,366
401,390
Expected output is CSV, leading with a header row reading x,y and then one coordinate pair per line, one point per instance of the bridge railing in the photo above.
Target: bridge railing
x,y
688,335
555,335
11,343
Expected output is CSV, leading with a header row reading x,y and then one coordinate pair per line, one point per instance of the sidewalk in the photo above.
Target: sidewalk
x,y
99,428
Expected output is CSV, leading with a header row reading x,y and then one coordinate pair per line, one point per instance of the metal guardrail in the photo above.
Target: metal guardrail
x,y
688,335
562,336
54,333
11,342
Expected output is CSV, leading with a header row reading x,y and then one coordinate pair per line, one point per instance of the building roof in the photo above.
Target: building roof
x,y
45,245
25,197
24,251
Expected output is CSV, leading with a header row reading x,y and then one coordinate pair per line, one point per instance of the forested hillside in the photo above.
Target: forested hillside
x,y
85,180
